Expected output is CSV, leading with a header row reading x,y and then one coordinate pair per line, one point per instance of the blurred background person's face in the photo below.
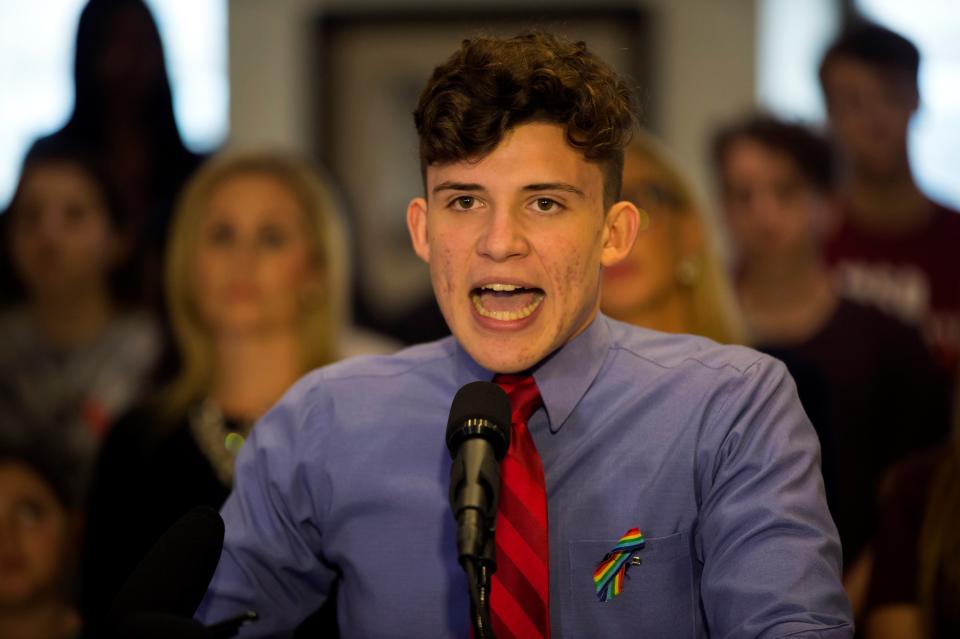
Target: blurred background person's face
x,y
62,240
648,279
254,268
774,214
870,111
34,537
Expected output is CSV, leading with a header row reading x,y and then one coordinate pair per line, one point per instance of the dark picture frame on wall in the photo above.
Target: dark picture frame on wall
x,y
370,68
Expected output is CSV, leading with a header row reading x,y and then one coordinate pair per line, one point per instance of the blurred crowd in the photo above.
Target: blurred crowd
x,y
156,303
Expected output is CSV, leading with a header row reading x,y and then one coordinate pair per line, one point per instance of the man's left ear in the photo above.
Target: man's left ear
x,y
417,226
620,232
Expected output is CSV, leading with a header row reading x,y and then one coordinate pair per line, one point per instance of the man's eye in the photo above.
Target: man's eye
x,y
464,202
546,205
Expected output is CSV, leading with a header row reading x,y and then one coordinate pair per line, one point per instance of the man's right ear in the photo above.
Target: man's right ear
x,y
417,225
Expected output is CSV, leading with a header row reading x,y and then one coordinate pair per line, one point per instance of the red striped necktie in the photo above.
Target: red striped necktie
x,y
520,594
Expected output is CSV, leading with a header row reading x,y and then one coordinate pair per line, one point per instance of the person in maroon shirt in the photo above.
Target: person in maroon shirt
x,y
896,248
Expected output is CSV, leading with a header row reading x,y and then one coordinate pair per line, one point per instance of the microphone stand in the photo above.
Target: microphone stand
x,y
479,573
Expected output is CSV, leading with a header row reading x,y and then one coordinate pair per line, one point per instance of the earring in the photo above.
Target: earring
x,y
688,272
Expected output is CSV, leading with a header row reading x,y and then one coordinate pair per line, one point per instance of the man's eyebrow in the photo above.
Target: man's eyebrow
x,y
456,186
554,186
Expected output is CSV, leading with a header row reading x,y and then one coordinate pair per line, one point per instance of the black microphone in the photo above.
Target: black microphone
x,y
478,434
161,595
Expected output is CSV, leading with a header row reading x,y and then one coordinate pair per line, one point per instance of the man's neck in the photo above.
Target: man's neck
x,y
252,372
786,303
887,206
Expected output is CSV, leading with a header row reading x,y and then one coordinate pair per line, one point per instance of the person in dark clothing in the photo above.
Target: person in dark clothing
x,y
884,395
123,114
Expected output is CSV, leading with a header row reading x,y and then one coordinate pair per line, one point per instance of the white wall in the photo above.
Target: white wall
x,y
705,73
705,68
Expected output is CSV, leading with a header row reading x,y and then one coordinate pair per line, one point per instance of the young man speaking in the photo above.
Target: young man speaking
x,y
655,486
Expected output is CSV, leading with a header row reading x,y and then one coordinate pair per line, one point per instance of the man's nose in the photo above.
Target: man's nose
x,y
504,235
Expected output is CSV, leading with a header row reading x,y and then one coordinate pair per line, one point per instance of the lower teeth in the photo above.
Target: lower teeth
x,y
506,316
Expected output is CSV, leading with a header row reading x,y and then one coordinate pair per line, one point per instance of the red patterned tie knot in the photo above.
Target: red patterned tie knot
x,y
523,393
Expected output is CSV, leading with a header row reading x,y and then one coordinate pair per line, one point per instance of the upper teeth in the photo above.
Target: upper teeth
x,y
501,287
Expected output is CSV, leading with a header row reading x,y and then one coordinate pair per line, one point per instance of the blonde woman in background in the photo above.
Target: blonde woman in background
x,y
256,293
673,280
255,282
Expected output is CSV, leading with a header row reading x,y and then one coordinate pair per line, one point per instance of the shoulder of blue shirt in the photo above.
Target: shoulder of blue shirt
x,y
647,347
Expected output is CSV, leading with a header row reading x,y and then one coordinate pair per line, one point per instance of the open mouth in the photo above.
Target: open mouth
x,y
506,302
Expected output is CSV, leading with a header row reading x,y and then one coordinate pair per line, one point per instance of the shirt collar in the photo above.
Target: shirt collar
x,y
563,377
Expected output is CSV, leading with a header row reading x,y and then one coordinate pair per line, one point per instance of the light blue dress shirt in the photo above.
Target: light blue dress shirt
x,y
703,447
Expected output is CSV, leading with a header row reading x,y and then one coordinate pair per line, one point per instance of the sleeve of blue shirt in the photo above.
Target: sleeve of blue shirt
x,y
269,563
767,543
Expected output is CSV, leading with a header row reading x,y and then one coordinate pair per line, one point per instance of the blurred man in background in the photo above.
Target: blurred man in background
x,y
896,247
867,381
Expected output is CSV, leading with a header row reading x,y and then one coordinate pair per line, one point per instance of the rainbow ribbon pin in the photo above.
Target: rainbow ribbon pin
x,y
609,575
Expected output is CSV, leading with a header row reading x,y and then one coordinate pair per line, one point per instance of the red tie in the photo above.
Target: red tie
x,y
520,593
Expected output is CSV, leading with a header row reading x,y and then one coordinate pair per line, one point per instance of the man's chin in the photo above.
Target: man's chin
x,y
508,366
511,355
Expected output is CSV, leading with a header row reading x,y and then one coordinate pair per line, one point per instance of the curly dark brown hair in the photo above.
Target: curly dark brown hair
x,y
491,85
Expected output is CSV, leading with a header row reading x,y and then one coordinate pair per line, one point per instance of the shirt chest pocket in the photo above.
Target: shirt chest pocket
x,y
657,597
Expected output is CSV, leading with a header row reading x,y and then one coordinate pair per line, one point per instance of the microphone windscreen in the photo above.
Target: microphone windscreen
x,y
173,577
480,401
